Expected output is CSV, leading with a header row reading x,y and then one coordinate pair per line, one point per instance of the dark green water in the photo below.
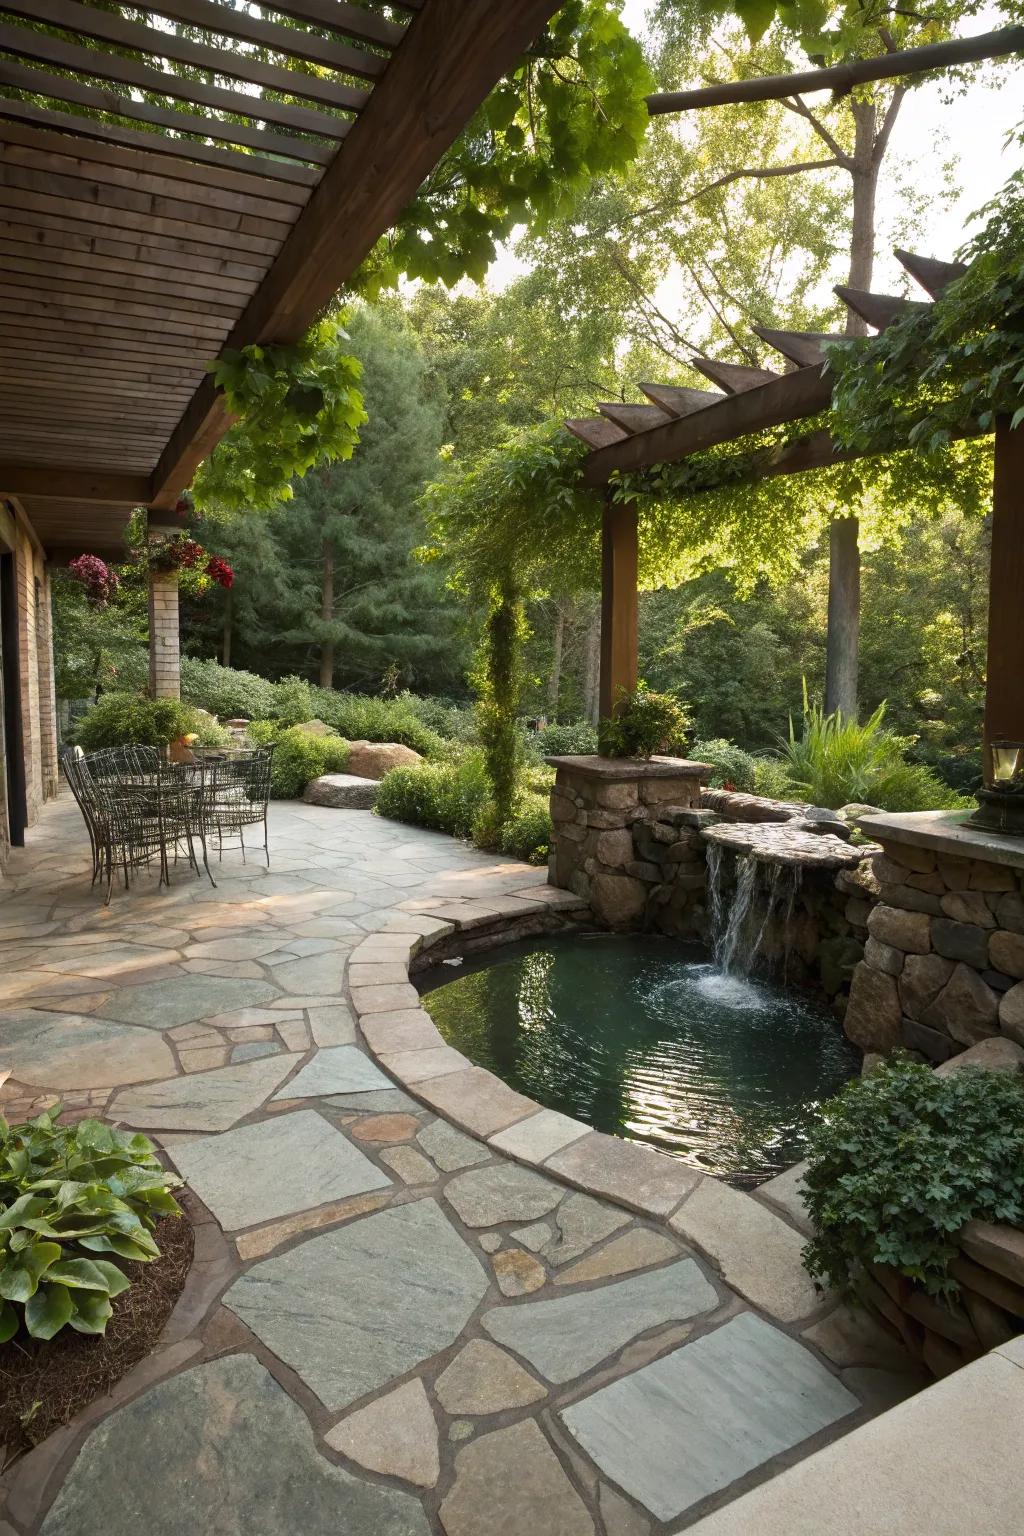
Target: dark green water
x,y
644,1038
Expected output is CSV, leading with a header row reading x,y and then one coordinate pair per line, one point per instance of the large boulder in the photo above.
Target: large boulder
x,y
873,1018
373,759
342,791
317,728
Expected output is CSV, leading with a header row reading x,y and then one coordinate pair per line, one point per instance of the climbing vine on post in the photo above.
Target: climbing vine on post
x,y
501,690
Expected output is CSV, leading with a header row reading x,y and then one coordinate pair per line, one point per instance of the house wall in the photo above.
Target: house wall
x,y
34,667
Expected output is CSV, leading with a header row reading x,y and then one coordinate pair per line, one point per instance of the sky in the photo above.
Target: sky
x,y
929,132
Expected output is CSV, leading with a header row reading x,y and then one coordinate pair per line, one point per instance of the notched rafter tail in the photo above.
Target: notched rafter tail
x,y
734,378
677,401
634,418
877,309
932,275
596,431
804,348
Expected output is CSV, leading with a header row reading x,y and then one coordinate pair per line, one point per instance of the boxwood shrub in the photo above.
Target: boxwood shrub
x,y
898,1162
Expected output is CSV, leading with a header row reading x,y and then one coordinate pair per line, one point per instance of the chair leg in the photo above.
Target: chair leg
x,y
266,841
241,838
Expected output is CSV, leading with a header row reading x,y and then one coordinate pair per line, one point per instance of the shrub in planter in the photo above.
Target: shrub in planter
x,y
644,723
901,1159
72,1199
299,757
129,719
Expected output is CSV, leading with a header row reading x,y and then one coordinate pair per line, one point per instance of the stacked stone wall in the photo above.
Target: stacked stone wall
x,y
943,964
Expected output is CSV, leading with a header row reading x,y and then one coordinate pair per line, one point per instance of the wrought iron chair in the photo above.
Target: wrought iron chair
x,y
236,793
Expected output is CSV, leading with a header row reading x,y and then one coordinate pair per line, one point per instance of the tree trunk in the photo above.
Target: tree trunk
x,y
592,668
557,650
226,649
327,614
842,648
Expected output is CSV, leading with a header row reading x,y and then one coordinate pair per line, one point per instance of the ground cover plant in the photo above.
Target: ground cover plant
x,y
898,1162
73,1199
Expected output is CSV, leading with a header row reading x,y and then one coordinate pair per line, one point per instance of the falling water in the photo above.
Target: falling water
x,y
727,935
736,943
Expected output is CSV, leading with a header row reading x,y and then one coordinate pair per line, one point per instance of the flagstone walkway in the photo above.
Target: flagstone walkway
x,y
391,1327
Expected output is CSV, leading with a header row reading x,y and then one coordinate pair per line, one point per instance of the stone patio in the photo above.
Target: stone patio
x,y
393,1326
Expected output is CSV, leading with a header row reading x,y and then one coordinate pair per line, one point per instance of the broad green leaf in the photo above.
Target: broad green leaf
x,y
79,1274
8,1322
48,1310
91,1314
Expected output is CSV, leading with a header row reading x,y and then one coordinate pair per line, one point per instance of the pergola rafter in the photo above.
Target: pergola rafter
x,y
206,176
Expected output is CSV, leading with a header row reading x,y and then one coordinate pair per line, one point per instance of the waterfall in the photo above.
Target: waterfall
x,y
727,934
768,885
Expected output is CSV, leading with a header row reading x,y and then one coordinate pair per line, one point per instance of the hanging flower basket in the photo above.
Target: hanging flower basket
x,y
181,553
99,581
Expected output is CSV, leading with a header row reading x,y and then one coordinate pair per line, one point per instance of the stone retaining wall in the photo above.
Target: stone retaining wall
x,y
943,964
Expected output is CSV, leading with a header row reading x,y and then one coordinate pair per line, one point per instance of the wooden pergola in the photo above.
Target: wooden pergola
x,y
139,239
679,422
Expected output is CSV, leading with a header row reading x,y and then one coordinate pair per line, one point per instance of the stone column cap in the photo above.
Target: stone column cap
x,y
621,768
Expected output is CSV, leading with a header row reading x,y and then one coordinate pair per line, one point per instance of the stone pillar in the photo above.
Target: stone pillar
x,y
624,836
164,640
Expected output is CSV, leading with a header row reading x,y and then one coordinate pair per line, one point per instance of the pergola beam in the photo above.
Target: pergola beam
x,y
452,54
98,485
844,77
791,397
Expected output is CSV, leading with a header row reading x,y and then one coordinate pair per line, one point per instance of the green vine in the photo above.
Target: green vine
x,y
948,369
297,406
501,689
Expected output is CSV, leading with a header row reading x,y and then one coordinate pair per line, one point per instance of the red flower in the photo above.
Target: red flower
x,y
221,572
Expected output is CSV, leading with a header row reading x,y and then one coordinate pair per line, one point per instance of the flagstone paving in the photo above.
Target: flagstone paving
x,y
392,1327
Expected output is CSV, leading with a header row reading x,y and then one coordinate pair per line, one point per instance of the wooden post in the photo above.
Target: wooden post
x,y
618,603
1004,691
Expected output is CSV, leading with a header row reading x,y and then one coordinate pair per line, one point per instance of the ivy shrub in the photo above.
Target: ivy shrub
x,y
643,724
298,756
73,1198
362,717
129,719
900,1159
227,691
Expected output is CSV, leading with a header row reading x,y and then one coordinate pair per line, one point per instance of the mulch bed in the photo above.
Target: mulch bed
x,y
43,1385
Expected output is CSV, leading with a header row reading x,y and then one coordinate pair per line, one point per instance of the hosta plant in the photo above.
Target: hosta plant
x,y
73,1198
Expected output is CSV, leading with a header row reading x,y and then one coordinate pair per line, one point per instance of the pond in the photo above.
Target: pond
x,y
645,1038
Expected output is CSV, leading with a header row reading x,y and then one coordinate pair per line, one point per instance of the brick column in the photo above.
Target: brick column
x,y
164,642
47,692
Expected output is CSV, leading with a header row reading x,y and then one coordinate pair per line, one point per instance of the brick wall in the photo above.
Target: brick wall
x,y
35,666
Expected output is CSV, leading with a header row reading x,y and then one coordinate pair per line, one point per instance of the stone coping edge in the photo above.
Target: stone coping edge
x,y
628,768
945,832
739,1233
